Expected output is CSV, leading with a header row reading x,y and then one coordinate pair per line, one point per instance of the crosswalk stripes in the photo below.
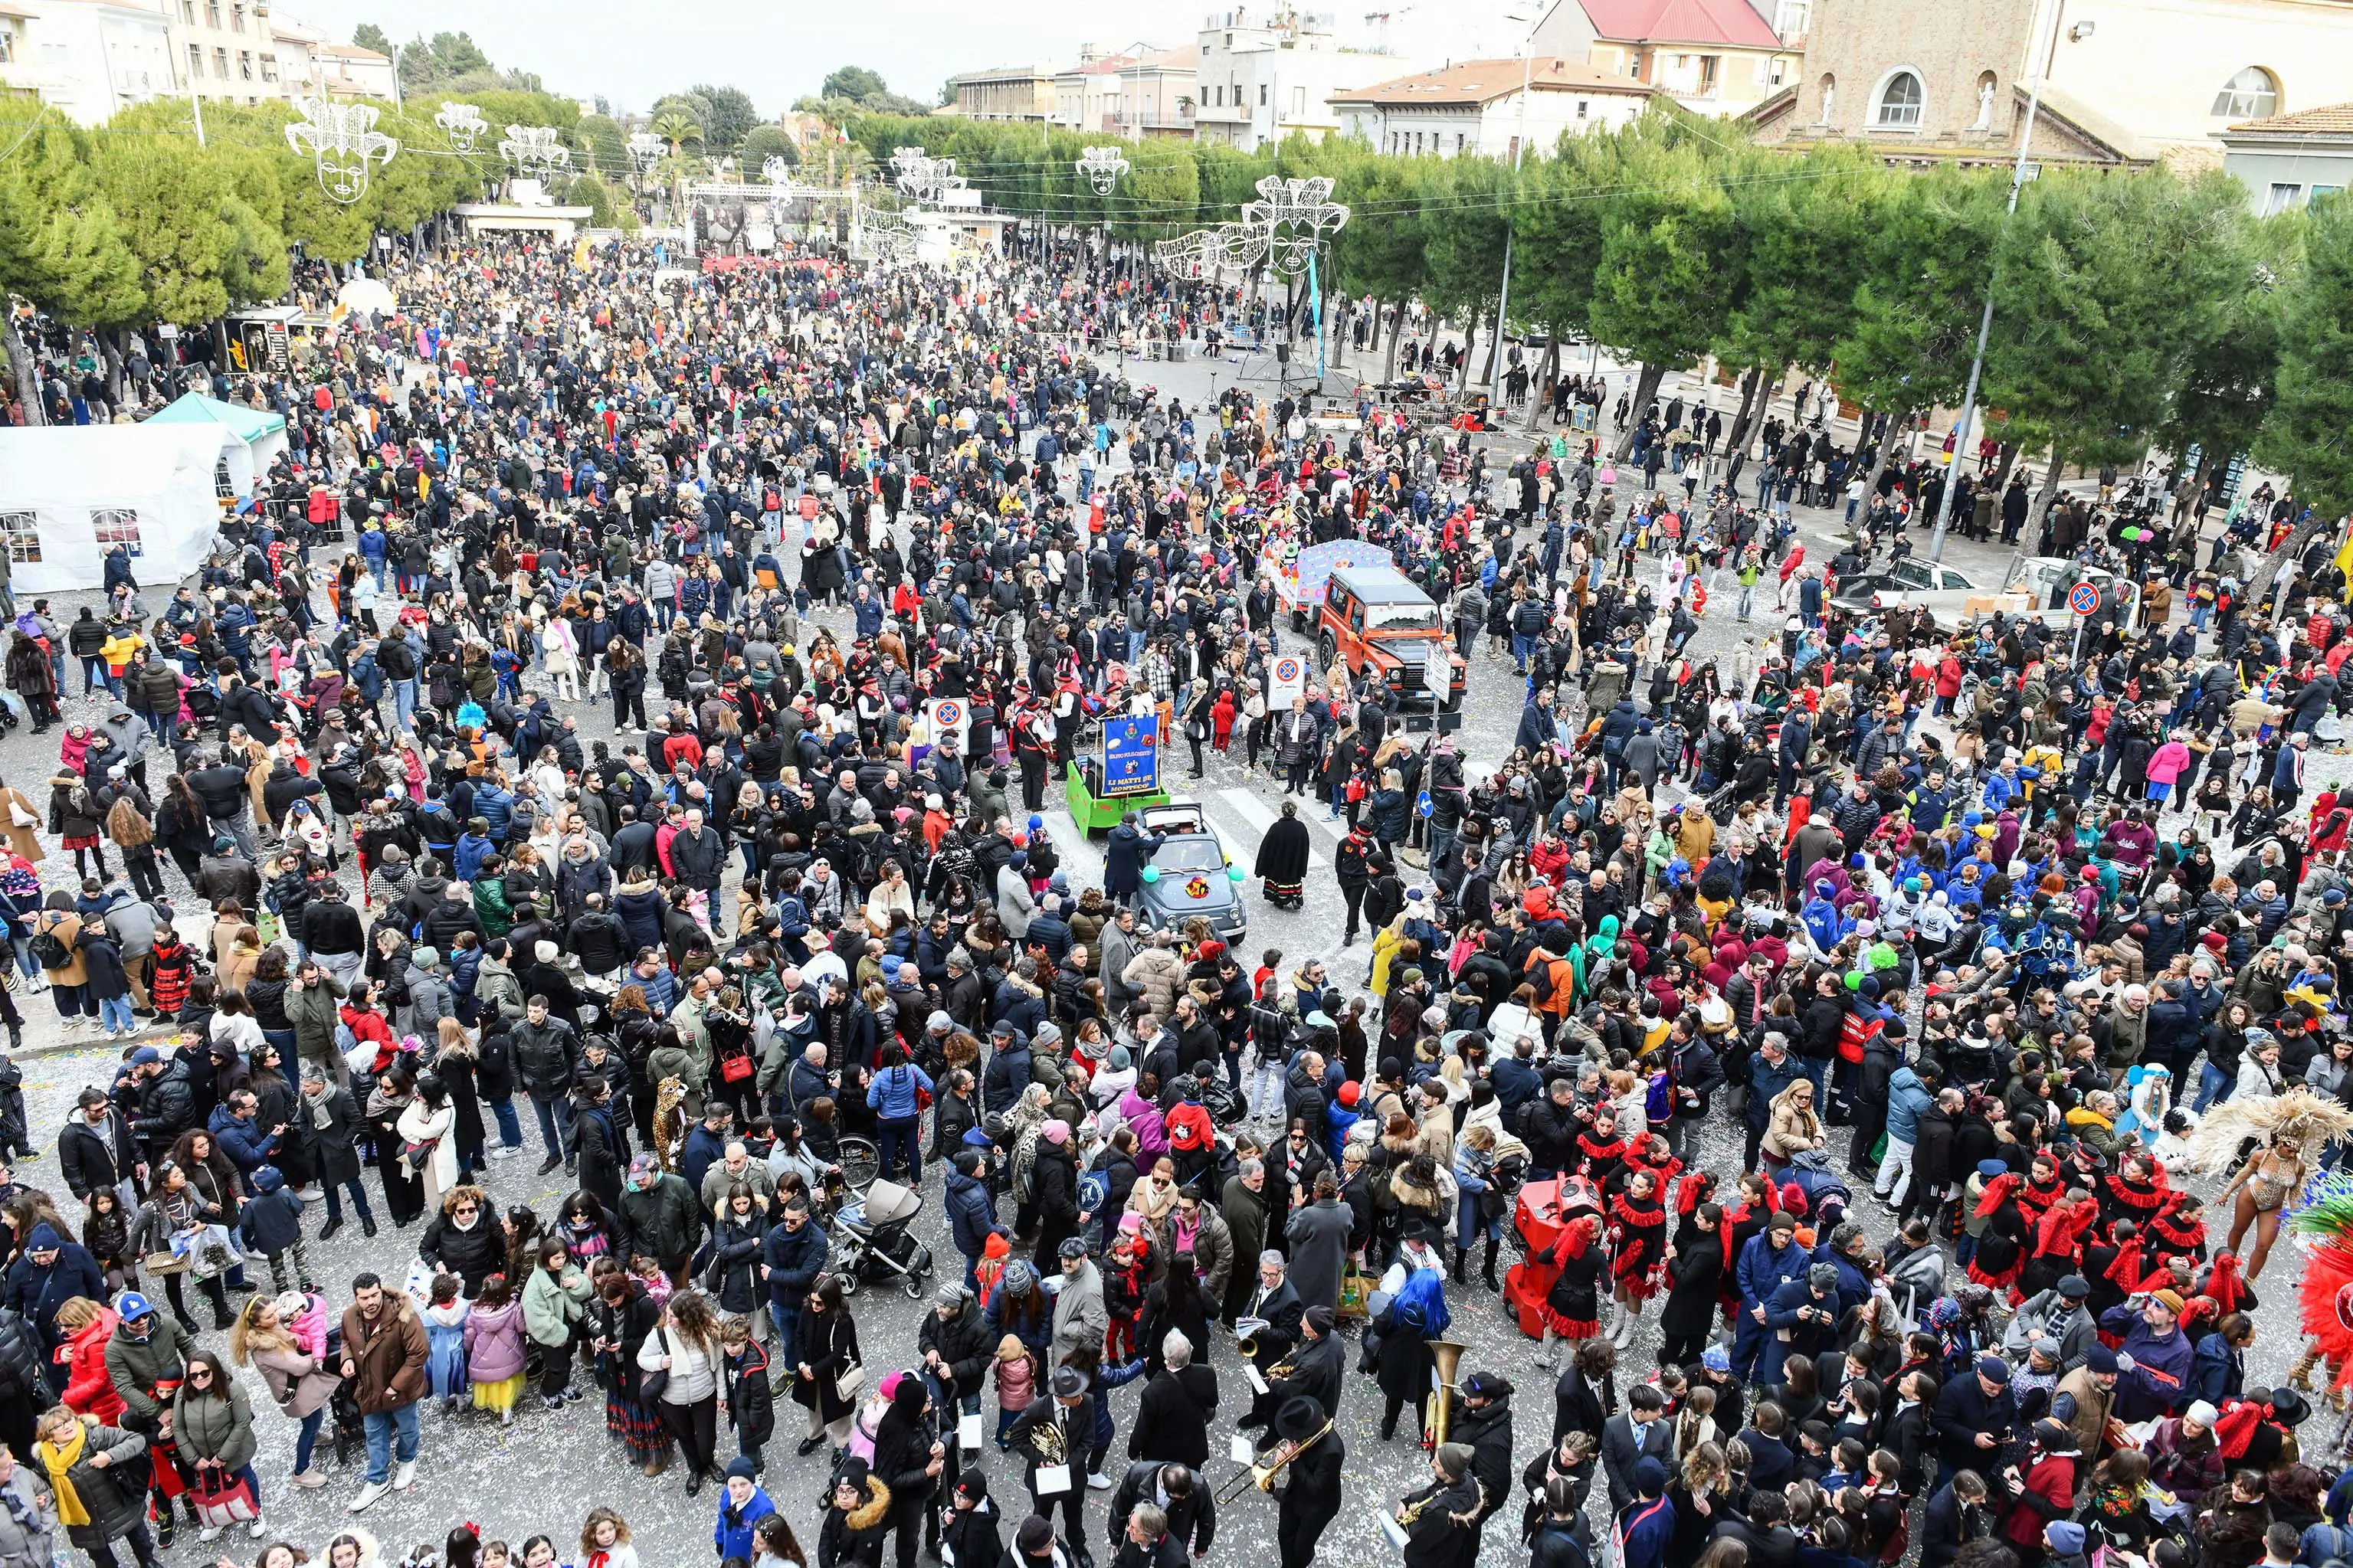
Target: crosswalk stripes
x,y
1261,816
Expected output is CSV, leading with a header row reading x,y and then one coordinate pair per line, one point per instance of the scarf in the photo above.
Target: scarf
x,y
59,1462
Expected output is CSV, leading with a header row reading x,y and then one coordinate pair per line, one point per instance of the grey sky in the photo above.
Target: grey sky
x,y
634,53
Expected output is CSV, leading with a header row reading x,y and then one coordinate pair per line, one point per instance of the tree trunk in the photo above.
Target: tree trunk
x,y
2050,488
1646,387
1550,368
1469,347
110,348
2276,565
29,380
1750,380
2004,458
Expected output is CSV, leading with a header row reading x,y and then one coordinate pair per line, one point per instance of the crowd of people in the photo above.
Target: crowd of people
x,y
1985,898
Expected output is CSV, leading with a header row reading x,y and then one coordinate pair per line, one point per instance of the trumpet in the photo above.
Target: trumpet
x,y
1448,1355
1247,1347
1262,1473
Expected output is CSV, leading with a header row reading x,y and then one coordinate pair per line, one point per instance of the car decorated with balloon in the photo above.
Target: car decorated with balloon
x,y
1190,874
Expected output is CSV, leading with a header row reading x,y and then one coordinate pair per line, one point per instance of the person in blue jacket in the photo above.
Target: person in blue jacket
x,y
1771,1258
894,1098
741,1506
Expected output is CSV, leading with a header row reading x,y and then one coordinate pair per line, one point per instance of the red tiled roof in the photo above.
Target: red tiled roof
x,y
1734,22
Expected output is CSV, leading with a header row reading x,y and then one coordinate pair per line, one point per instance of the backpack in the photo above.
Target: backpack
x,y
1094,1191
49,949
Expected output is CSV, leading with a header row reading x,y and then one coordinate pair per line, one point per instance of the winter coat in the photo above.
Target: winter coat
x,y
964,1343
28,1518
751,1398
494,1347
300,1384
473,1255
551,1305
663,1221
114,1505
388,1353
208,1428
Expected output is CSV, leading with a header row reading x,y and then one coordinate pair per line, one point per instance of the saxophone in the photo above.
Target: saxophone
x,y
1046,1440
669,1096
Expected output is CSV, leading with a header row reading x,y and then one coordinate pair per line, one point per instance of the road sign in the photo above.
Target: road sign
x,y
2084,598
1286,679
1131,756
1437,672
949,716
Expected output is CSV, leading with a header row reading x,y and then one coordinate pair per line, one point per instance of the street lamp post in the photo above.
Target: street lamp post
x,y
1503,294
2018,178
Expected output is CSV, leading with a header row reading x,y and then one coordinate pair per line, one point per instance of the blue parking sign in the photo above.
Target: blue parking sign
x,y
1131,756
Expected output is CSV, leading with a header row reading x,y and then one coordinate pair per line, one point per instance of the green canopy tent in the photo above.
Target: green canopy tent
x,y
263,433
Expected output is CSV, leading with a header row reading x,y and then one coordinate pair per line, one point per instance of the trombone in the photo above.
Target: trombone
x,y
1448,1355
1261,1473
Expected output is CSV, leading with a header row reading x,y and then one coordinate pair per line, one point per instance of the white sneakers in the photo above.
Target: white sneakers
x,y
369,1494
257,1527
405,1476
209,1532
308,1479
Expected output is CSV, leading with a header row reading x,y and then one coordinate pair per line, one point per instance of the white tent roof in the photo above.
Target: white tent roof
x,y
149,485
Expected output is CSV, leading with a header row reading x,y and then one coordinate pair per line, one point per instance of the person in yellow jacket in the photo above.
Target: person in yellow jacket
x,y
122,640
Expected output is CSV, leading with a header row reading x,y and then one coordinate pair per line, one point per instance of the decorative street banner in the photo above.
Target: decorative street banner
x,y
1131,756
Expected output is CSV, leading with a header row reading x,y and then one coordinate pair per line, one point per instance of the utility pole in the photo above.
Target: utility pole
x,y
1985,325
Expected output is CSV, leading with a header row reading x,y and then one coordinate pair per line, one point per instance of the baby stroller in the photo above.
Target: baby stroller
x,y
350,1426
870,1239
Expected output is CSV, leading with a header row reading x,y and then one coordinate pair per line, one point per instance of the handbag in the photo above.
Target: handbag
x,y
164,1263
735,1069
221,1501
848,1381
651,1385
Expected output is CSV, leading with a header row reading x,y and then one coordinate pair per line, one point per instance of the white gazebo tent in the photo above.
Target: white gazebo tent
x,y
68,493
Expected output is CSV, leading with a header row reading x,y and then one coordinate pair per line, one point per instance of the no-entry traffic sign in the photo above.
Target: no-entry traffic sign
x,y
2084,598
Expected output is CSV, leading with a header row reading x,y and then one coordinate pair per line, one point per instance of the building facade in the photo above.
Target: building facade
x,y
221,48
347,70
1475,108
1004,92
1266,74
2129,81
1148,93
85,58
1712,57
2288,160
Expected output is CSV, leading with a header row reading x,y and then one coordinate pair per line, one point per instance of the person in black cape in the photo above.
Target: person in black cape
x,y
1282,858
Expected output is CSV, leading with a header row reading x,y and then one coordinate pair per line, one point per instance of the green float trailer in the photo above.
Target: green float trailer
x,y
1097,814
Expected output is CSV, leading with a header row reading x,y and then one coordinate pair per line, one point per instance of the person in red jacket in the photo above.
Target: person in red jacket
x,y
2049,1491
84,1327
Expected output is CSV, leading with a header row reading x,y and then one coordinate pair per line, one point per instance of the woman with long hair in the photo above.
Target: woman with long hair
x,y
301,1383
686,1347
621,1320
826,1366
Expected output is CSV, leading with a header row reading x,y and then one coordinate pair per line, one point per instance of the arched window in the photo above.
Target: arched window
x,y
2252,94
1899,101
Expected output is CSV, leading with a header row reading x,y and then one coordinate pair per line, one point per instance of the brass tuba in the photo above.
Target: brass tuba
x,y
1448,1358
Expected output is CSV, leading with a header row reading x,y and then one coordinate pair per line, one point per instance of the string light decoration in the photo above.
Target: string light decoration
x,y
1102,166
534,152
463,124
645,151
1295,215
1186,254
341,141
922,177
